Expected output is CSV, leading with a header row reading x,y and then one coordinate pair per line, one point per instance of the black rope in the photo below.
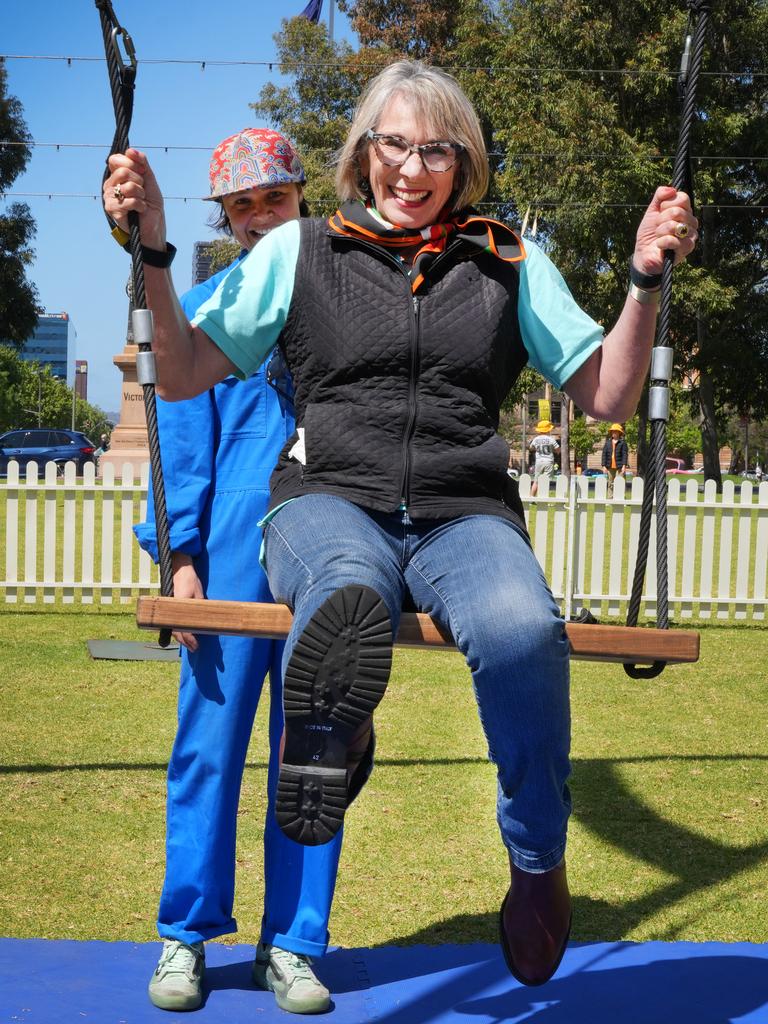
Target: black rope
x,y
656,475
122,79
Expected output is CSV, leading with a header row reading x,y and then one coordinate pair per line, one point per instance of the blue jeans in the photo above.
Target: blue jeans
x,y
476,576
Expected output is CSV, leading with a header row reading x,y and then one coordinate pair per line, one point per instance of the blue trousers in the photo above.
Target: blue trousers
x,y
478,577
219,692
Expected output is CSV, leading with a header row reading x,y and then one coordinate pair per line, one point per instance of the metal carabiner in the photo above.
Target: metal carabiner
x,y
130,51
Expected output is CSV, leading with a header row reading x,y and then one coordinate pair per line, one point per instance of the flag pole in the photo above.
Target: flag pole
x,y
330,19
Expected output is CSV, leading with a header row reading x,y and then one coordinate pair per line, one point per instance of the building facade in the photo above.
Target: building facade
x,y
53,344
202,255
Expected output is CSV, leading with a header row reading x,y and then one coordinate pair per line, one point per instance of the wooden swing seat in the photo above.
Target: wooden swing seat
x,y
589,642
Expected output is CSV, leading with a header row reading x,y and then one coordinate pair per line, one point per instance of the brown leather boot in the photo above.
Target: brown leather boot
x,y
535,923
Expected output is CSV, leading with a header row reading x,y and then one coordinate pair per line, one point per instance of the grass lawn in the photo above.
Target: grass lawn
x,y
669,838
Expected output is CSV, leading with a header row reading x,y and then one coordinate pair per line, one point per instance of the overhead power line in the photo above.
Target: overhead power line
x,y
651,157
331,201
203,63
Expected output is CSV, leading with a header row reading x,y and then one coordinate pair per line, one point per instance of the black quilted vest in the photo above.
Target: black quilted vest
x,y
399,395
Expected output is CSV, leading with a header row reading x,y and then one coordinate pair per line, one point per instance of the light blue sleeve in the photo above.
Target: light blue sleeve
x,y
187,447
558,335
247,312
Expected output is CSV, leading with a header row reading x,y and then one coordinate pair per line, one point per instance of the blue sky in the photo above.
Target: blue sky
x,y
78,268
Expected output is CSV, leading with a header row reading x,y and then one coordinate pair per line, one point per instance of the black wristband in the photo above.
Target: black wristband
x,y
643,280
156,258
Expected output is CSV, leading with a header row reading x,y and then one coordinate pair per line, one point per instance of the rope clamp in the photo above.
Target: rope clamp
x,y
146,369
143,326
658,403
661,363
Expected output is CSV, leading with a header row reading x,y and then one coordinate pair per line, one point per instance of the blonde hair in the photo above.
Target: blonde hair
x,y
439,102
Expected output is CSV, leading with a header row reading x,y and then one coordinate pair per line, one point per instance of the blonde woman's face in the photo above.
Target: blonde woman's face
x,y
409,195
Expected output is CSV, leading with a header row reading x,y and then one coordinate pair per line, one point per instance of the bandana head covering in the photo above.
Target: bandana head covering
x,y
359,220
253,158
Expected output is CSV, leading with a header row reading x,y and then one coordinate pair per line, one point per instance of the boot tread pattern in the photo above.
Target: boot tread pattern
x,y
336,677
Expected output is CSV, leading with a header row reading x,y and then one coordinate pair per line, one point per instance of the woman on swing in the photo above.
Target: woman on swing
x,y
405,319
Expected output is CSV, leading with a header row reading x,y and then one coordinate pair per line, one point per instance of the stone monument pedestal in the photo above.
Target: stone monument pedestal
x,y
128,442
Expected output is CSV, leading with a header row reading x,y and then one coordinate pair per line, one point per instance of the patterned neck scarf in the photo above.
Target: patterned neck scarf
x,y
362,221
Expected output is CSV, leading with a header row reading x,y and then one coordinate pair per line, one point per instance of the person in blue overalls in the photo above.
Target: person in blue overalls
x,y
218,451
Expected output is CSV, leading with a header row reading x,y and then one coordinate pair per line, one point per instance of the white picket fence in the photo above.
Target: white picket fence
x,y
70,539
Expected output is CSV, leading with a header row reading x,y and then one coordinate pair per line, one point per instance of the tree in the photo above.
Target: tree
x,y
18,297
580,106
588,134
223,252
31,396
422,31
315,110
583,438
10,381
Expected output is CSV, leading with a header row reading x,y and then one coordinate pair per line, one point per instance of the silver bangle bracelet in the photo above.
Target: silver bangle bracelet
x,y
644,296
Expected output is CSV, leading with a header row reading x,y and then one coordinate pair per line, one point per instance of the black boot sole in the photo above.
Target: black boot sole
x,y
336,677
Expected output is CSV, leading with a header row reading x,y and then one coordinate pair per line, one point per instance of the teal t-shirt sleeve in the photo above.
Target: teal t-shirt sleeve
x,y
247,312
558,335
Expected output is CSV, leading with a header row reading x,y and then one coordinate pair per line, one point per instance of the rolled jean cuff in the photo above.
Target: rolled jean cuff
x,y
293,944
537,865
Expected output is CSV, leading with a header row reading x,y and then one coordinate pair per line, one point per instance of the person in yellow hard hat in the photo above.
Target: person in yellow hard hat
x,y
615,453
544,445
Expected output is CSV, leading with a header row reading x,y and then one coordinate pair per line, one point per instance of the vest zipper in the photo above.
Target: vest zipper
x,y
414,346
415,368
404,489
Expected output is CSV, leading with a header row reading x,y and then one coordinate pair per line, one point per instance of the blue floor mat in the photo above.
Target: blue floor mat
x,y
67,982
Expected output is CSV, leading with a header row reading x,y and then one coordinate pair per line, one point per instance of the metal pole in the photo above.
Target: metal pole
x,y
331,7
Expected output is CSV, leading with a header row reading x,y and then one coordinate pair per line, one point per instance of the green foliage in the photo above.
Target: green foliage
x,y
315,110
583,438
13,159
585,138
10,381
631,433
223,252
528,381
18,297
744,436
421,31
31,396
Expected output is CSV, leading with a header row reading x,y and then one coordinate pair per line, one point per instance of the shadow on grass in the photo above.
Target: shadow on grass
x,y
123,766
607,807
579,767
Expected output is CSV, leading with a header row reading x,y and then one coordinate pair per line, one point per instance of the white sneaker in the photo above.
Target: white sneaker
x,y
177,983
290,976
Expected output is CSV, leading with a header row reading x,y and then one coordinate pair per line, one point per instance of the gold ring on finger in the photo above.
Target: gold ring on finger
x,y
681,230
117,192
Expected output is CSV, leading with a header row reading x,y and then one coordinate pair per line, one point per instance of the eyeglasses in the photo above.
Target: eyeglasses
x,y
394,151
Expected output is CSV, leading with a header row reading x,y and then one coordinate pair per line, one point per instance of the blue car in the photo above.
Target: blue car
x,y
42,445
